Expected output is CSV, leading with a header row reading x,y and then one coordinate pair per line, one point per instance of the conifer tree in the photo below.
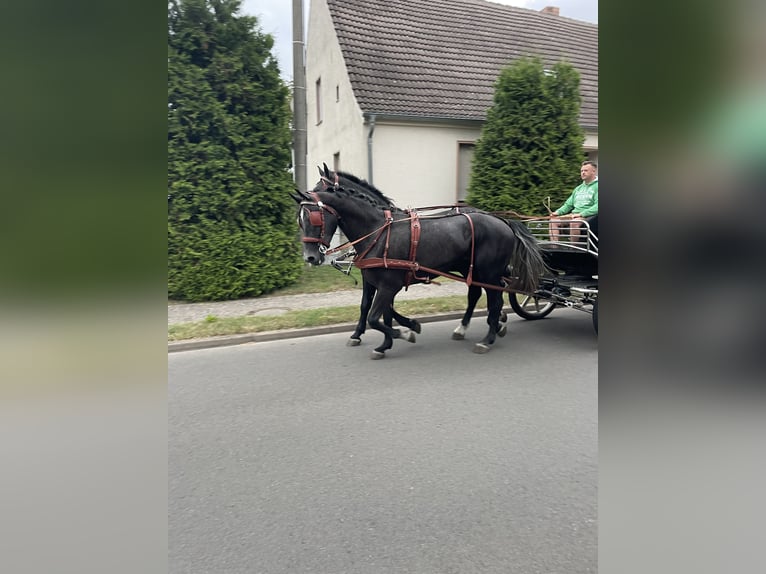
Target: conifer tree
x,y
231,221
531,144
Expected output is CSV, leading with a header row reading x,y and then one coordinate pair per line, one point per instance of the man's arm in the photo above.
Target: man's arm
x,y
591,209
567,207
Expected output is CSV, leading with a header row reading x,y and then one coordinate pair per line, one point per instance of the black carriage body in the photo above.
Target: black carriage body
x,y
572,280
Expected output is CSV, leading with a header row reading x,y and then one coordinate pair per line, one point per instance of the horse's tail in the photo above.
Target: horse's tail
x,y
527,263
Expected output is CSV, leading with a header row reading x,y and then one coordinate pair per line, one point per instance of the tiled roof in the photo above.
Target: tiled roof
x,y
441,58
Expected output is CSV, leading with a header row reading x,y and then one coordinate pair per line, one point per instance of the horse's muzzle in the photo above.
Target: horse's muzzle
x,y
314,259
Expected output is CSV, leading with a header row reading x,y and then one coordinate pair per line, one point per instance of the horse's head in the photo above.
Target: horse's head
x,y
338,194
328,180
318,223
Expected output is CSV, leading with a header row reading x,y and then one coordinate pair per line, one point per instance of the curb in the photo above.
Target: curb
x,y
230,340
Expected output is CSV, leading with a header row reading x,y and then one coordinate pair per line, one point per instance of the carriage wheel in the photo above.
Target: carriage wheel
x,y
530,307
595,315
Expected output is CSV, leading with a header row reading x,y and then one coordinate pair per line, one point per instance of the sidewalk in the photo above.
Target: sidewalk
x,y
277,305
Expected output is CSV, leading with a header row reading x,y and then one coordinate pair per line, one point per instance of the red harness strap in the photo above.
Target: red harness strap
x,y
414,240
384,261
414,234
469,278
412,265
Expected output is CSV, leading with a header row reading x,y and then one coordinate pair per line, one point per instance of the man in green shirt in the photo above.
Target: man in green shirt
x,y
581,205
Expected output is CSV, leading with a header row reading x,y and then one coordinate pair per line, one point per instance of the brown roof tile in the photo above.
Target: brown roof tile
x,y
441,58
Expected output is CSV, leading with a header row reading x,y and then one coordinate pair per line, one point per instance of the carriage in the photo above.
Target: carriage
x,y
572,276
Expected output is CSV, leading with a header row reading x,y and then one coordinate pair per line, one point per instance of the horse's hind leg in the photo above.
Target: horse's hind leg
x,y
474,294
368,292
502,326
494,308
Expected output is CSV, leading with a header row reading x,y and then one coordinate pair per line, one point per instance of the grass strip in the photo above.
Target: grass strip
x,y
216,326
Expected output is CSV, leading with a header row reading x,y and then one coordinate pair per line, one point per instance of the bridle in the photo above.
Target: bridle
x,y
316,219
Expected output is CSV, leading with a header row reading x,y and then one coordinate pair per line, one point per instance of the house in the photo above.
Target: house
x,y
397,90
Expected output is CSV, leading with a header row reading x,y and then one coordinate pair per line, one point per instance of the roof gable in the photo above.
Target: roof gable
x,y
441,58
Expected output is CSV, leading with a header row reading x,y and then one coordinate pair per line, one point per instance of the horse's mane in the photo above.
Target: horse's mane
x,y
372,192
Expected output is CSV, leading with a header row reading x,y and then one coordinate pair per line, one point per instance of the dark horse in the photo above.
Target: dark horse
x,y
321,232
398,247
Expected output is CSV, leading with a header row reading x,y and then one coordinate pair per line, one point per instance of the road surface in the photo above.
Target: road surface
x,y
304,455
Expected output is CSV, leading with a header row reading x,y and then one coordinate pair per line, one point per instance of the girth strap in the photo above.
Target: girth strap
x,y
469,277
414,234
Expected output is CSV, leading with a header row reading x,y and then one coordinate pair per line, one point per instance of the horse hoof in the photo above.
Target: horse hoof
x,y
416,326
353,342
408,336
481,348
502,330
376,355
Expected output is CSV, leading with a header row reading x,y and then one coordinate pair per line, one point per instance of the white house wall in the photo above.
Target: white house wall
x,y
341,129
417,165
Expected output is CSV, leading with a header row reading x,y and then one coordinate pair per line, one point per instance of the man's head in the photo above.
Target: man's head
x,y
588,171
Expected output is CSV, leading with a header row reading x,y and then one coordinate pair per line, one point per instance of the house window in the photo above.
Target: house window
x,y
336,161
464,161
337,93
319,100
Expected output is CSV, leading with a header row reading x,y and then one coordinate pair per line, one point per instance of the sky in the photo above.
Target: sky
x,y
275,18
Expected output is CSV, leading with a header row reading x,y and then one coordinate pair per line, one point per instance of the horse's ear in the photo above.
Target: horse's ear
x,y
320,171
326,170
299,196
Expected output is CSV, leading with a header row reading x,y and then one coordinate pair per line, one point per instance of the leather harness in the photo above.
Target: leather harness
x,y
361,261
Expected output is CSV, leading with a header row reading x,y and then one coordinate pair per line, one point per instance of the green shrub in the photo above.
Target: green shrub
x,y
531,144
231,221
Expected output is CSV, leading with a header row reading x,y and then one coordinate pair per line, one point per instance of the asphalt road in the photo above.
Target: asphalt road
x,y
304,455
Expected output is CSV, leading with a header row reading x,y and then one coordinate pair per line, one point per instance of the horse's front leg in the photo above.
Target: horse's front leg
x,y
474,294
382,306
368,292
494,308
408,333
412,324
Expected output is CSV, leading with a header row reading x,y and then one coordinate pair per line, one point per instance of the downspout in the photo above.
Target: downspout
x,y
369,148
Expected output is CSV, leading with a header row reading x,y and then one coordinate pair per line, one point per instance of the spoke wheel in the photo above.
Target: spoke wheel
x,y
530,307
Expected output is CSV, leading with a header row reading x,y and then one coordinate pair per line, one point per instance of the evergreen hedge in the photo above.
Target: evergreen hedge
x,y
231,220
531,144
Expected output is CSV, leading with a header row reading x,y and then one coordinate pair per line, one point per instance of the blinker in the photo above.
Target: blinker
x,y
315,218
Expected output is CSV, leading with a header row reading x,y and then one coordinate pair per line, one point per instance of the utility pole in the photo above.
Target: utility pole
x,y
299,99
